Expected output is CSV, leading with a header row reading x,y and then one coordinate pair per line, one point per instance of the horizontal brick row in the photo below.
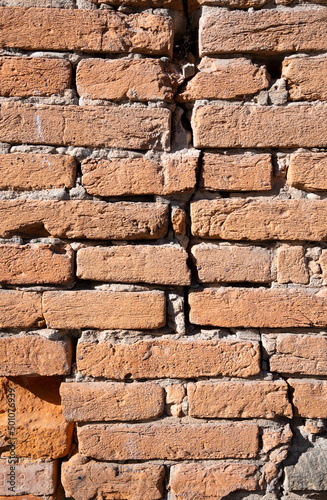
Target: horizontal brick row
x,y
166,4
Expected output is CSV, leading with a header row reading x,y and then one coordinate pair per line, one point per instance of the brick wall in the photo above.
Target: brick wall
x,y
163,249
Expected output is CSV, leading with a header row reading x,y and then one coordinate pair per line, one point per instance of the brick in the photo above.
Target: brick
x,y
250,126
20,309
309,397
29,171
232,4
168,358
228,264
107,310
131,128
306,78
161,264
95,401
168,441
36,264
300,354
34,354
40,428
224,79
173,173
33,477
257,308
236,172
79,219
323,264
129,481
308,171
175,393
165,4
85,30
260,219
228,399
291,267
35,76
133,79
189,481
266,31
178,220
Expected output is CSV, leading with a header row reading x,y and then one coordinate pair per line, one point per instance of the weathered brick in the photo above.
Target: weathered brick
x,y
165,4
95,401
131,128
266,31
306,78
224,79
227,399
83,219
107,310
20,309
130,481
250,126
323,264
35,76
221,263
39,426
33,477
168,358
36,264
133,79
162,264
257,308
25,172
34,354
308,171
232,4
309,397
174,173
178,220
236,172
190,481
302,354
168,441
291,267
260,219
85,30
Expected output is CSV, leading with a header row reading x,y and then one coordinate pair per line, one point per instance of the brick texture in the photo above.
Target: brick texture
x,y
309,397
20,309
306,78
27,472
307,171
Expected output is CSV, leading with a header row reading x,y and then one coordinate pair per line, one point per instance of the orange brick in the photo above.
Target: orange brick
x,y
308,171
28,474
20,309
291,265
309,397
165,4
306,78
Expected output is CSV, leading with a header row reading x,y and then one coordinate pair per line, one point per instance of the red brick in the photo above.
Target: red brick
x,y
104,310
33,477
168,441
291,266
20,309
257,308
306,78
309,397
308,171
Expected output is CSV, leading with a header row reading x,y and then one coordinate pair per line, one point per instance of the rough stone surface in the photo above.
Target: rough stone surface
x,y
308,171
168,441
101,309
291,266
168,358
309,397
306,78
20,309
164,264
309,472
232,4
33,477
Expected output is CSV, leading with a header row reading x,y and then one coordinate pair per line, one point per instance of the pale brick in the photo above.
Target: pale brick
x,y
306,78
85,30
164,264
192,481
95,401
221,263
34,354
249,126
236,172
174,173
20,309
168,441
104,310
36,264
309,397
260,219
168,358
35,76
291,267
224,79
30,171
131,128
175,393
33,477
257,308
308,171
228,399
300,354
104,480
266,31
78,219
